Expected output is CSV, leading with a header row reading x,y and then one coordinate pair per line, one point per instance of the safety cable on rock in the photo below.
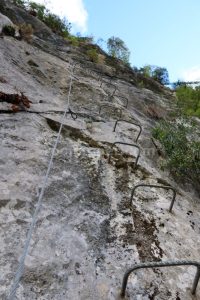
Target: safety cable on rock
x,y
20,268
73,114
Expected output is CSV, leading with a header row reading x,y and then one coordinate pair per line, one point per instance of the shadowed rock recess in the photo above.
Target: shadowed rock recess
x,y
86,236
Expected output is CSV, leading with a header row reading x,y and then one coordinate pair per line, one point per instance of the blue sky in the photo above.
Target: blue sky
x,y
157,32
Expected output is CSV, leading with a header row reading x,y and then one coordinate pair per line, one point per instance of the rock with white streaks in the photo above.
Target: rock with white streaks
x,y
86,236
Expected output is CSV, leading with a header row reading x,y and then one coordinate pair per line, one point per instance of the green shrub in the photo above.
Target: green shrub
x,y
8,30
59,26
197,113
189,100
182,154
93,55
118,49
86,39
39,9
74,40
21,3
159,74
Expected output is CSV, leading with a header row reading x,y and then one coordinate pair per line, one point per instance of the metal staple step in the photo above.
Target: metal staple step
x,y
161,265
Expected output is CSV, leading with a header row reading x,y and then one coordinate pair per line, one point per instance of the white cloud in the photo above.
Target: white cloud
x,y
73,10
192,74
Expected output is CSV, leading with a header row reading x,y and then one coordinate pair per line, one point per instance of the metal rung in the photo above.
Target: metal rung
x,y
113,85
122,97
105,81
122,143
95,71
115,88
160,265
111,106
158,187
88,70
138,125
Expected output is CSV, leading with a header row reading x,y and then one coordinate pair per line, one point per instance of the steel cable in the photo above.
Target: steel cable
x,y
20,268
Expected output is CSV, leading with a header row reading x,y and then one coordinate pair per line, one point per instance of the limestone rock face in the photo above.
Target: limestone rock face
x,y
4,21
86,236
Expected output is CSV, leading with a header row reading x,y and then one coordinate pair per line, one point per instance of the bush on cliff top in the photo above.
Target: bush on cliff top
x,y
59,26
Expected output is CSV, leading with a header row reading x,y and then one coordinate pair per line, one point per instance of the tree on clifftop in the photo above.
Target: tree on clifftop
x,y
157,73
161,75
118,49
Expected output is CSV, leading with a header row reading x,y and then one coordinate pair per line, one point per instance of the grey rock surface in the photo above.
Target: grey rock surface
x,y
86,236
4,21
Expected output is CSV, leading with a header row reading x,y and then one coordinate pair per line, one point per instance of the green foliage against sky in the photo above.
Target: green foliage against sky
x,y
157,73
118,49
189,100
60,26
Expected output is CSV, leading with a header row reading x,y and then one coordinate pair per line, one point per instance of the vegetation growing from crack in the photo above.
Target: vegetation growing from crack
x,y
59,26
93,55
8,30
182,150
26,31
